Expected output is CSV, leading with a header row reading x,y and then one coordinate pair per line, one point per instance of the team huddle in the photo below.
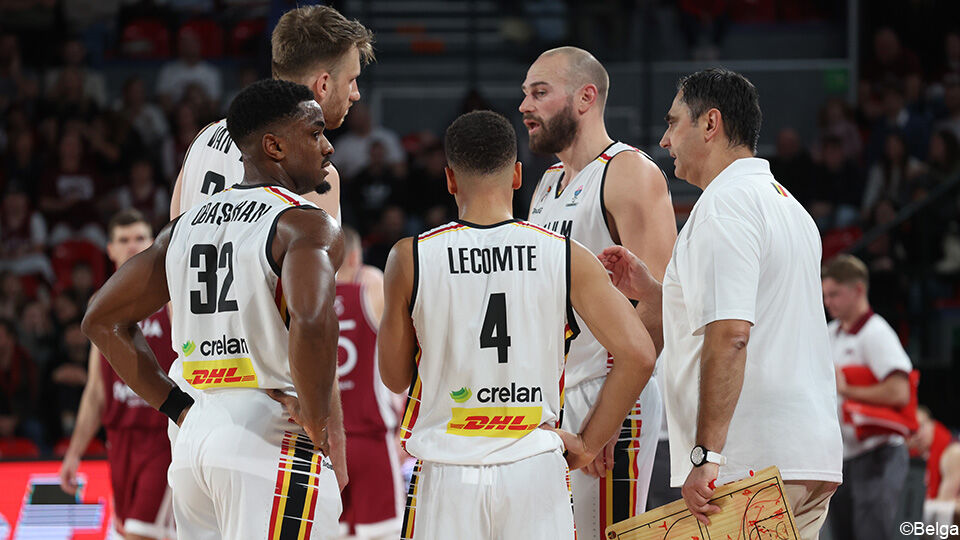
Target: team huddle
x,y
531,404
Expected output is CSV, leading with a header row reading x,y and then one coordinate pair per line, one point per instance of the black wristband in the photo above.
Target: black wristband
x,y
177,400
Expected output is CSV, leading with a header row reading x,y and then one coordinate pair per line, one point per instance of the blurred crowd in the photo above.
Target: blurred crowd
x,y
76,150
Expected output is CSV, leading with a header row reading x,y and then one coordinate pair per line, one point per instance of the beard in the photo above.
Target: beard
x,y
556,134
322,187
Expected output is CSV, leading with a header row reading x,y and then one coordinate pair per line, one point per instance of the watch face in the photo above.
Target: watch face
x,y
697,455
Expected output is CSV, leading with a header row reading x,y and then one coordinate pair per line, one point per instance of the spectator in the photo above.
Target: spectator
x,y
836,120
22,165
64,310
11,295
353,147
951,102
37,334
891,176
73,54
81,286
186,127
146,118
142,193
69,375
897,118
390,228
886,259
793,167
373,188
176,76
837,203
890,61
16,83
66,98
18,385
704,18
70,193
427,188
23,237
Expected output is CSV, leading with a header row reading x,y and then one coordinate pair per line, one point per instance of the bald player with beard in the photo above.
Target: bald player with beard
x,y
602,192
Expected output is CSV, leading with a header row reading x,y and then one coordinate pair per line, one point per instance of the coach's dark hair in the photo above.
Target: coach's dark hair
x,y
730,93
480,142
263,103
125,218
309,37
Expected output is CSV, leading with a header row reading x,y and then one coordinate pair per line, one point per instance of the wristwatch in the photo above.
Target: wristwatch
x,y
700,455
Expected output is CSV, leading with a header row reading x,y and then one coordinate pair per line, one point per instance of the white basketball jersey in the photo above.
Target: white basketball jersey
x,y
578,211
229,315
491,309
212,163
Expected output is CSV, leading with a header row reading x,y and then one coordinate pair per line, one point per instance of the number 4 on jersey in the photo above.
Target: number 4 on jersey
x,y
494,331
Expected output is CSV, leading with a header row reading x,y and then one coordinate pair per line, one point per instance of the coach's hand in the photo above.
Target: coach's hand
x,y
317,431
698,489
574,450
68,474
627,272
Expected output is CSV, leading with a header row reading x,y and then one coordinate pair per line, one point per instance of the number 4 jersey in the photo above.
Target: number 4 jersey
x,y
229,315
493,319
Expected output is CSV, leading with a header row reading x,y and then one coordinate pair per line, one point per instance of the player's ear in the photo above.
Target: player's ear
x,y
321,86
272,146
451,181
588,96
517,175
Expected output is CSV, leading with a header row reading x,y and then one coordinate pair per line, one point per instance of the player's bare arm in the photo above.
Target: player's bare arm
x,y
632,277
133,293
372,279
175,196
397,339
950,473
309,249
892,391
610,318
639,210
92,403
722,363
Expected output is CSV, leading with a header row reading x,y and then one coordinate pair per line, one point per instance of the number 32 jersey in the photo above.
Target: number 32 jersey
x,y
229,315
492,315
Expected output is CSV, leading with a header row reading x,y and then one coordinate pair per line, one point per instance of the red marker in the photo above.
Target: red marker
x,y
751,472
712,484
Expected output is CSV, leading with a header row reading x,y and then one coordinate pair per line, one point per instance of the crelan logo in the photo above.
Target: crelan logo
x,y
188,348
461,395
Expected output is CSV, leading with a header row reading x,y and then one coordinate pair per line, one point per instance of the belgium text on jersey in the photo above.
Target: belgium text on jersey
x,y
492,259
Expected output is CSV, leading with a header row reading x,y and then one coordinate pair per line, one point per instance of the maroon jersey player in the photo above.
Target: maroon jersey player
x,y
138,449
371,501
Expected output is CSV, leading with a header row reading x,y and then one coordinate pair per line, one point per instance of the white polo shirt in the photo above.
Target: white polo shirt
x,y
872,343
749,251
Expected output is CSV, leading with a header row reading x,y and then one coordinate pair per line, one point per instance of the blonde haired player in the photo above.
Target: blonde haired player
x,y
477,319
602,192
315,46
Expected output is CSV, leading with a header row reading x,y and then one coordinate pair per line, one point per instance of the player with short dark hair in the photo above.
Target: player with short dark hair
x,y
250,276
137,446
478,316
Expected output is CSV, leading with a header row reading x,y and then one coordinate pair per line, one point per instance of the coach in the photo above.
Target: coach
x,y
747,369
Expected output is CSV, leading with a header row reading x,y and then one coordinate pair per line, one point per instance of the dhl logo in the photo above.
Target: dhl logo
x,y
504,422
226,373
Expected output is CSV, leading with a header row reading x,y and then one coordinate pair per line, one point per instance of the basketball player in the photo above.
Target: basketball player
x,y
371,501
478,315
312,45
315,46
601,193
243,465
137,447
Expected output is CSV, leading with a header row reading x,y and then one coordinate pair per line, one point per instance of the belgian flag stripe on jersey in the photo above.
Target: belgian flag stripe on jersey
x,y
409,514
412,409
297,484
